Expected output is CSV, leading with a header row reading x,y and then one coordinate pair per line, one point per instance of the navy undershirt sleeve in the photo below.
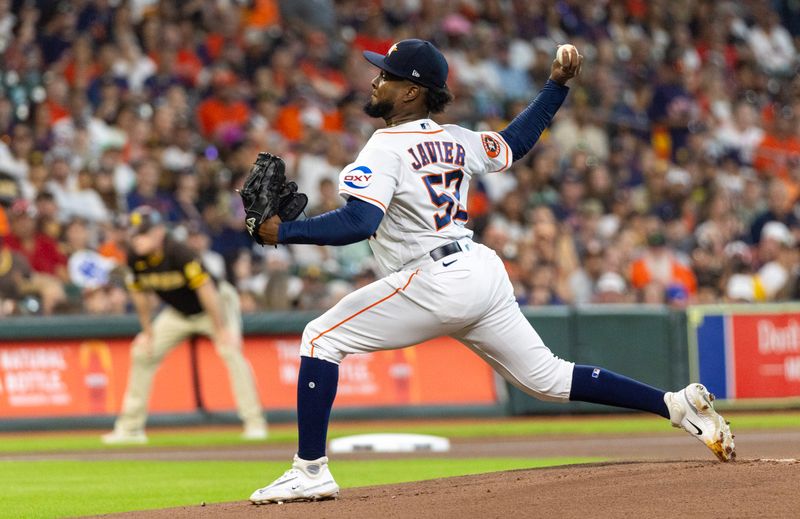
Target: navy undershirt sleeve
x,y
356,221
525,129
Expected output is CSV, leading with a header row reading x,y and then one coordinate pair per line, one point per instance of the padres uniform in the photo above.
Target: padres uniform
x,y
438,281
174,274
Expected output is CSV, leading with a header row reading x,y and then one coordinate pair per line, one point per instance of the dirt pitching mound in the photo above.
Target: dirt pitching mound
x,y
745,488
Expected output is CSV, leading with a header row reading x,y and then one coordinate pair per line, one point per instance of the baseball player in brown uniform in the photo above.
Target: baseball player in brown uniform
x,y
195,304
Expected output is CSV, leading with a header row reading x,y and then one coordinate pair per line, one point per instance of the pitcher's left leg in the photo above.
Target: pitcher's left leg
x,y
510,344
507,341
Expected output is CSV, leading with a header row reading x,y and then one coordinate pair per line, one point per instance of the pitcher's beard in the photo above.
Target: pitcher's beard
x,y
378,109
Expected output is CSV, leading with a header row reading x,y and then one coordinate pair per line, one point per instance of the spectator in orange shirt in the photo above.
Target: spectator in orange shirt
x,y
4,228
660,266
327,81
57,100
224,109
288,122
261,15
780,147
81,68
305,112
115,245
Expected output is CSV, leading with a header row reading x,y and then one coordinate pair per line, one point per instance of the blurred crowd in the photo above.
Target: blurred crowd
x,y
671,175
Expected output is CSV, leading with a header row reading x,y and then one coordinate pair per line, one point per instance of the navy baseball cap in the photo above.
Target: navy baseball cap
x,y
415,60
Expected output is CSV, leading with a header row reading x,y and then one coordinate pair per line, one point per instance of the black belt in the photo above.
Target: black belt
x,y
445,250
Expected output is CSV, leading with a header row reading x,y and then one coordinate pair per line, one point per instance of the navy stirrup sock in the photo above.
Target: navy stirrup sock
x,y
316,390
600,386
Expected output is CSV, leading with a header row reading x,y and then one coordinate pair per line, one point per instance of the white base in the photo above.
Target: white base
x,y
389,442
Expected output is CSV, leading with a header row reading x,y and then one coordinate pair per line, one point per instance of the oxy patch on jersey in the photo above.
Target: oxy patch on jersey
x,y
358,178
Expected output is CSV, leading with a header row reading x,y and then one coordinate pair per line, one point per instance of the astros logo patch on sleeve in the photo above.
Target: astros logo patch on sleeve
x,y
358,178
491,146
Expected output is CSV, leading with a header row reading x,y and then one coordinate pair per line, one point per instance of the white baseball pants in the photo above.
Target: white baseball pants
x,y
467,296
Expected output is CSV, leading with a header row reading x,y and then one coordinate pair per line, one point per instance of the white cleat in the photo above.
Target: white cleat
x,y
305,481
691,409
120,437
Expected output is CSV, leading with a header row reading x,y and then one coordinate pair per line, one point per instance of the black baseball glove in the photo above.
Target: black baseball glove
x,y
266,193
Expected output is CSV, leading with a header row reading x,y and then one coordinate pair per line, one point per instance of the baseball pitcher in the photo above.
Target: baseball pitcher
x,y
407,193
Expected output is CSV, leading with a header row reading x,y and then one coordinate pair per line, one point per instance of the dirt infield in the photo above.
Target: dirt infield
x,y
657,475
752,488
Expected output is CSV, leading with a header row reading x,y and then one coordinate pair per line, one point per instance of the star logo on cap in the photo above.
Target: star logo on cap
x,y
391,49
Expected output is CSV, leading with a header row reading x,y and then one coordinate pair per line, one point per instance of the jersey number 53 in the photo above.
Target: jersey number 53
x,y
445,191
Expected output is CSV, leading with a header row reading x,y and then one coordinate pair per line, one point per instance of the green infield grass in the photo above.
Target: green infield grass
x,y
482,428
35,489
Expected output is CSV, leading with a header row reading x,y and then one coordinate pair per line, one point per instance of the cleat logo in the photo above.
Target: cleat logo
x,y
279,483
699,432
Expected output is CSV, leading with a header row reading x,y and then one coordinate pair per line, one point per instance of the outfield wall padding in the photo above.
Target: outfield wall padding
x,y
648,343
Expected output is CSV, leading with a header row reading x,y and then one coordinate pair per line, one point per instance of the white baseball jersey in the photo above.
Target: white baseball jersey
x,y
418,174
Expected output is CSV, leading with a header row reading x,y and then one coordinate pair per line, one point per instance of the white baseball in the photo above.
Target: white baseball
x,y
561,54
